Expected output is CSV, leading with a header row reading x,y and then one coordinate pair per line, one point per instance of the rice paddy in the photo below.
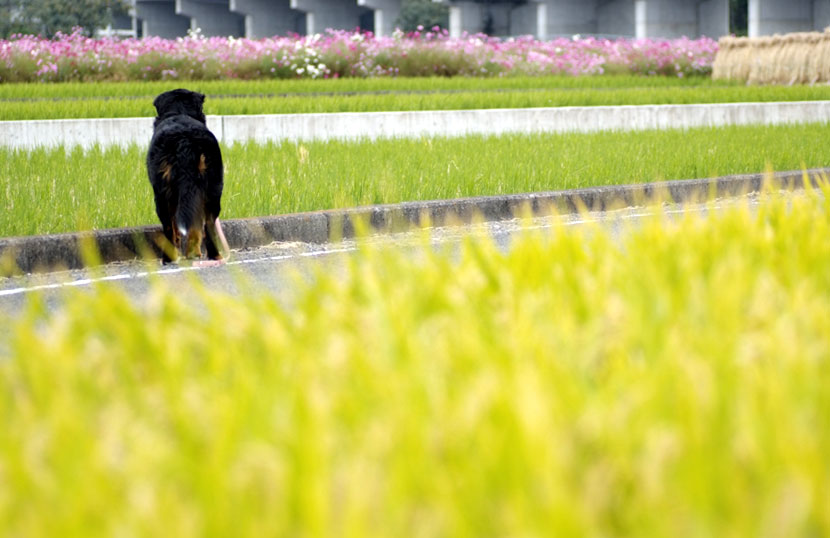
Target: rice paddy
x,y
306,97
284,178
667,382
72,90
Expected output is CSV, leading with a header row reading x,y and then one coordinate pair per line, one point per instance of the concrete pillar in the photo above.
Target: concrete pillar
x,y
638,18
610,18
669,18
159,18
767,17
713,18
821,14
385,14
616,18
569,17
465,17
334,14
530,19
212,16
268,18
496,18
641,19
678,18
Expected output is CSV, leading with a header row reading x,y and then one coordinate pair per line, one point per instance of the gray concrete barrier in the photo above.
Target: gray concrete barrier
x,y
372,125
43,253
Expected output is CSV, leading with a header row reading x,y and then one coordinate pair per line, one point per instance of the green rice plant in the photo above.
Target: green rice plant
x,y
55,190
667,381
460,100
70,90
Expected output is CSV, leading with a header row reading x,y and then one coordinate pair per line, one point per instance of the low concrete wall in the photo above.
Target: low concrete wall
x,y
84,132
371,125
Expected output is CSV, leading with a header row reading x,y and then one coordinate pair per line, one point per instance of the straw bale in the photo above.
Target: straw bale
x,y
823,58
722,65
796,58
811,61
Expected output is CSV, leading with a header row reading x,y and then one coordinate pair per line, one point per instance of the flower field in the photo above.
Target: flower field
x,y
337,54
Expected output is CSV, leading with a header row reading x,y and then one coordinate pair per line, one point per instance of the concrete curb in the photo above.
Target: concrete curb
x,y
49,252
373,125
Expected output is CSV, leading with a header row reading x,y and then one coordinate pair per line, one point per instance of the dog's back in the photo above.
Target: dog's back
x,y
185,167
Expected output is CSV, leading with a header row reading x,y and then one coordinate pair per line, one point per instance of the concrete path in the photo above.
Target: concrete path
x,y
276,268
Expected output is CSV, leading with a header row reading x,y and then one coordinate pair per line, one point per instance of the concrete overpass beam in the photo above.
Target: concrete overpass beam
x,y
159,18
212,16
385,14
267,18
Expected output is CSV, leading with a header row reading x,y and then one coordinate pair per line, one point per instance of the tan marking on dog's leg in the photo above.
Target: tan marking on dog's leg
x,y
195,237
176,237
172,249
194,243
215,240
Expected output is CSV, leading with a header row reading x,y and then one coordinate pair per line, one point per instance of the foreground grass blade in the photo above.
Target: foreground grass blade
x,y
667,382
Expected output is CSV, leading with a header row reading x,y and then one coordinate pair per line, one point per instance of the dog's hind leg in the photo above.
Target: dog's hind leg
x,y
211,169
169,248
190,217
192,242
215,244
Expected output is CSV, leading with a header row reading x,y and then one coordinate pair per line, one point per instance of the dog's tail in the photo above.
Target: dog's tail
x,y
190,209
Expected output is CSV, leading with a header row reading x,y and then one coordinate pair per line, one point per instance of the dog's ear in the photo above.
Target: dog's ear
x,y
161,102
199,98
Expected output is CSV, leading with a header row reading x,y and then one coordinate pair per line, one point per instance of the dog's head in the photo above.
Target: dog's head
x,y
180,101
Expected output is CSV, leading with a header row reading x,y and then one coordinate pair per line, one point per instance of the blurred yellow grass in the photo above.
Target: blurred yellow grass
x,y
668,381
796,58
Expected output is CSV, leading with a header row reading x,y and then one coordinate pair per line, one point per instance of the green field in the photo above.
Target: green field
x,y
50,191
67,90
76,100
669,381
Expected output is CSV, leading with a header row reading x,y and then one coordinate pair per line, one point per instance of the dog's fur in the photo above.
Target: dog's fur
x,y
185,168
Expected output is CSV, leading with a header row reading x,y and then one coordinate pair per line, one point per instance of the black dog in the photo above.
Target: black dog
x,y
185,168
